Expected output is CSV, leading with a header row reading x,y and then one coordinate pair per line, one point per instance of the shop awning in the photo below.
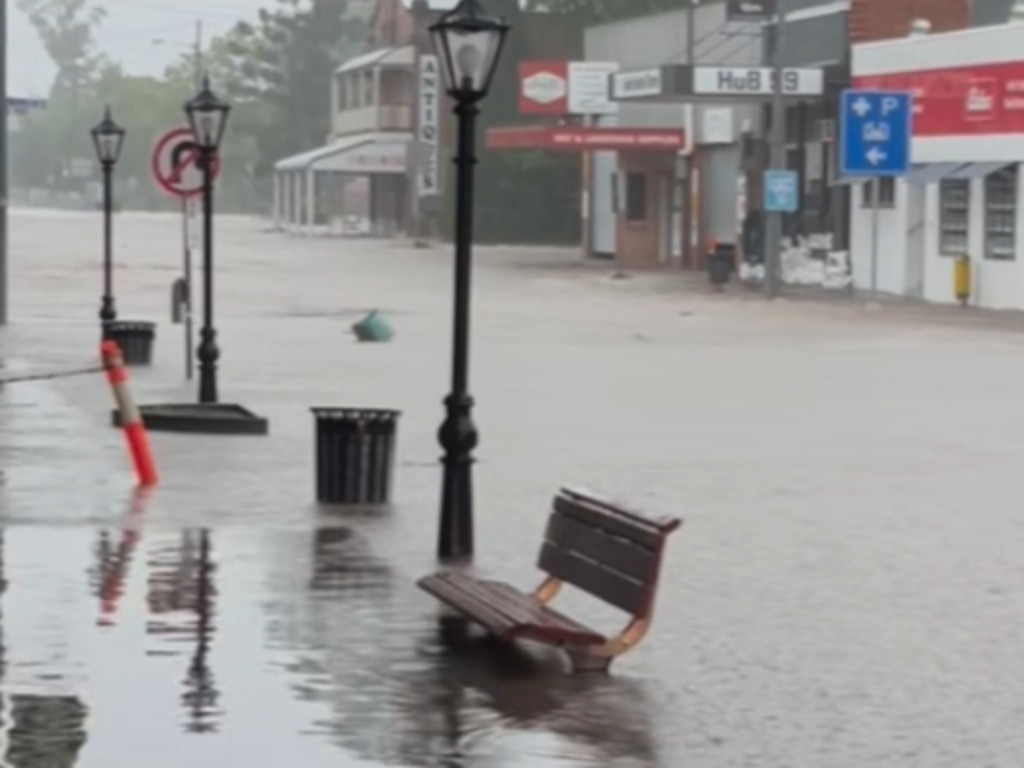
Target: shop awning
x,y
976,170
365,153
581,139
396,57
931,173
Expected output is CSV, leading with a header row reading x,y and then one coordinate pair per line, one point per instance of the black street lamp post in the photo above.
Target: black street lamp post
x,y
468,42
108,138
208,117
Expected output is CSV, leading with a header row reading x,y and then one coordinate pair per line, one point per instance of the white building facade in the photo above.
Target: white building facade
x,y
963,195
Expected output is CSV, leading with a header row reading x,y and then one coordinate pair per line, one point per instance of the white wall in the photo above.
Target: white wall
x,y
995,284
601,188
893,223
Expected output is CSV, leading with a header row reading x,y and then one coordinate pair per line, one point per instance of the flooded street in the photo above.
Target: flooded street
x,y
847,591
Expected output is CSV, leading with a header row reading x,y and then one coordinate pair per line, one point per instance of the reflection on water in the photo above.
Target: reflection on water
x,y
45,731
38,731
351,659
201,694
356,642
181,596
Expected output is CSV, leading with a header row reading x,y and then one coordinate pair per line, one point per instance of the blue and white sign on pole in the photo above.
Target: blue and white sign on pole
x,y
875,140
875,133
781,193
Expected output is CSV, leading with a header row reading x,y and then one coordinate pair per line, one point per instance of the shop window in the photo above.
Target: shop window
x,y
342,94
954,216
886,192
369,97
1001,214
636,197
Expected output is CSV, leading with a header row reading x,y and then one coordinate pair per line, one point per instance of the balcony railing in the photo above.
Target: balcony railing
x,y
378,117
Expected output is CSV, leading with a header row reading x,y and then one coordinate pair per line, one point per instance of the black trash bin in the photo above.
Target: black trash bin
x,y
135,339
354,455
721,262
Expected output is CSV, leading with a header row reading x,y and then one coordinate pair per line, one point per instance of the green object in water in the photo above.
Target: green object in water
x,y
373,327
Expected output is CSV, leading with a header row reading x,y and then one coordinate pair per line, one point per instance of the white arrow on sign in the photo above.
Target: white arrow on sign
x,y
876,156
861,106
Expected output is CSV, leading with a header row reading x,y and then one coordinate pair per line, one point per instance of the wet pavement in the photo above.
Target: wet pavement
x,y
847,589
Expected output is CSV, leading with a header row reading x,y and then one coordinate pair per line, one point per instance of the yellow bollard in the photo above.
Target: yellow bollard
x,y
962,279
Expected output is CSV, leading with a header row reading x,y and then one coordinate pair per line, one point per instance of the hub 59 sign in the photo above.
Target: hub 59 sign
x,y
756,81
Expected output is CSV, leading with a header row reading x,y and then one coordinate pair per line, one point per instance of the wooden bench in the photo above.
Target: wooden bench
x,y
593,544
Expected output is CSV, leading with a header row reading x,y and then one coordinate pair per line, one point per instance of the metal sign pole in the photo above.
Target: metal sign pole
x,y
4,179
189,227
876,188
777,152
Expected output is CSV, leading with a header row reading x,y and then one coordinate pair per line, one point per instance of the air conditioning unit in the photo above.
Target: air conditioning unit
x,y
827,129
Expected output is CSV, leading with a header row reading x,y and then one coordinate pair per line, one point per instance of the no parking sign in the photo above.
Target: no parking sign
x,y
175,164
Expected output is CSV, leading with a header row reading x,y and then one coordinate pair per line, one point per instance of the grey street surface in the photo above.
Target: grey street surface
x,y
846,592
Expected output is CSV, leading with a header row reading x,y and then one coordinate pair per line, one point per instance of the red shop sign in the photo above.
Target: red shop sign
x,y
543,87
980,100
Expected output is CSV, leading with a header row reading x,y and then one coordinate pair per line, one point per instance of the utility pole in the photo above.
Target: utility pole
x,y
692,225
4,181
416,218
199,54
777,153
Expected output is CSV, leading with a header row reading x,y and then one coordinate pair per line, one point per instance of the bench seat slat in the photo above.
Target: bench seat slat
x,y
507,612
613,587
647,536
665,525
614,552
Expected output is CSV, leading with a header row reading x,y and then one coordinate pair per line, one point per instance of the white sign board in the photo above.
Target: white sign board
x,y
756,81
637,84
545,88
428,127
717,125
588,87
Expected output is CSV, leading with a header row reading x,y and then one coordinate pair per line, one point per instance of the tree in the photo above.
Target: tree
x,y
286,61
65,28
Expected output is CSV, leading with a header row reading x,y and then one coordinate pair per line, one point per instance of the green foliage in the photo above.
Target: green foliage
x,y
522,197
276,73
528,197
286,61
65,28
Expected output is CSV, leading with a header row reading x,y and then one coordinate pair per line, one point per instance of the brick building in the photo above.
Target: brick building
x,y
884,19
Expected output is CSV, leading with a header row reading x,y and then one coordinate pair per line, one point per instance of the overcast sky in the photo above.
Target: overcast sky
x,y
127,35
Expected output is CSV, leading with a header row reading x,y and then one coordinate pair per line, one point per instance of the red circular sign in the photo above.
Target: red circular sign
x,y
174,164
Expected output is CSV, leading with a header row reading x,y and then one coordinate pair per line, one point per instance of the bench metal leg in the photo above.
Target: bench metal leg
x,y
454,629
599,658
585,660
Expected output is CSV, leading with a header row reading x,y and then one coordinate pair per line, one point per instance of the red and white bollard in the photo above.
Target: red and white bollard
x,y
131,419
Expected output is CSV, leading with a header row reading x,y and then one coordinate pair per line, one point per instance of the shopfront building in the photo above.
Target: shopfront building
x,y
963,196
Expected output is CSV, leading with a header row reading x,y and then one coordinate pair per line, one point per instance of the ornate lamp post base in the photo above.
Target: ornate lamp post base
x,y
458,436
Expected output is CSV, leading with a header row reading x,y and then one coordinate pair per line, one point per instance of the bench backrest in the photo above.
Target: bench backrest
x,y
603,548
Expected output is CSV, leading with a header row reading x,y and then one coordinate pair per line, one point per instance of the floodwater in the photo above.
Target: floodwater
x,y
848,589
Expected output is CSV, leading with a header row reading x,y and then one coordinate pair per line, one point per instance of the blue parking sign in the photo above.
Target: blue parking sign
x,y
875,133
781,191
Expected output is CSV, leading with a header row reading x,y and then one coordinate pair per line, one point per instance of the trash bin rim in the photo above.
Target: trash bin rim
x,y
132,325
355,414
